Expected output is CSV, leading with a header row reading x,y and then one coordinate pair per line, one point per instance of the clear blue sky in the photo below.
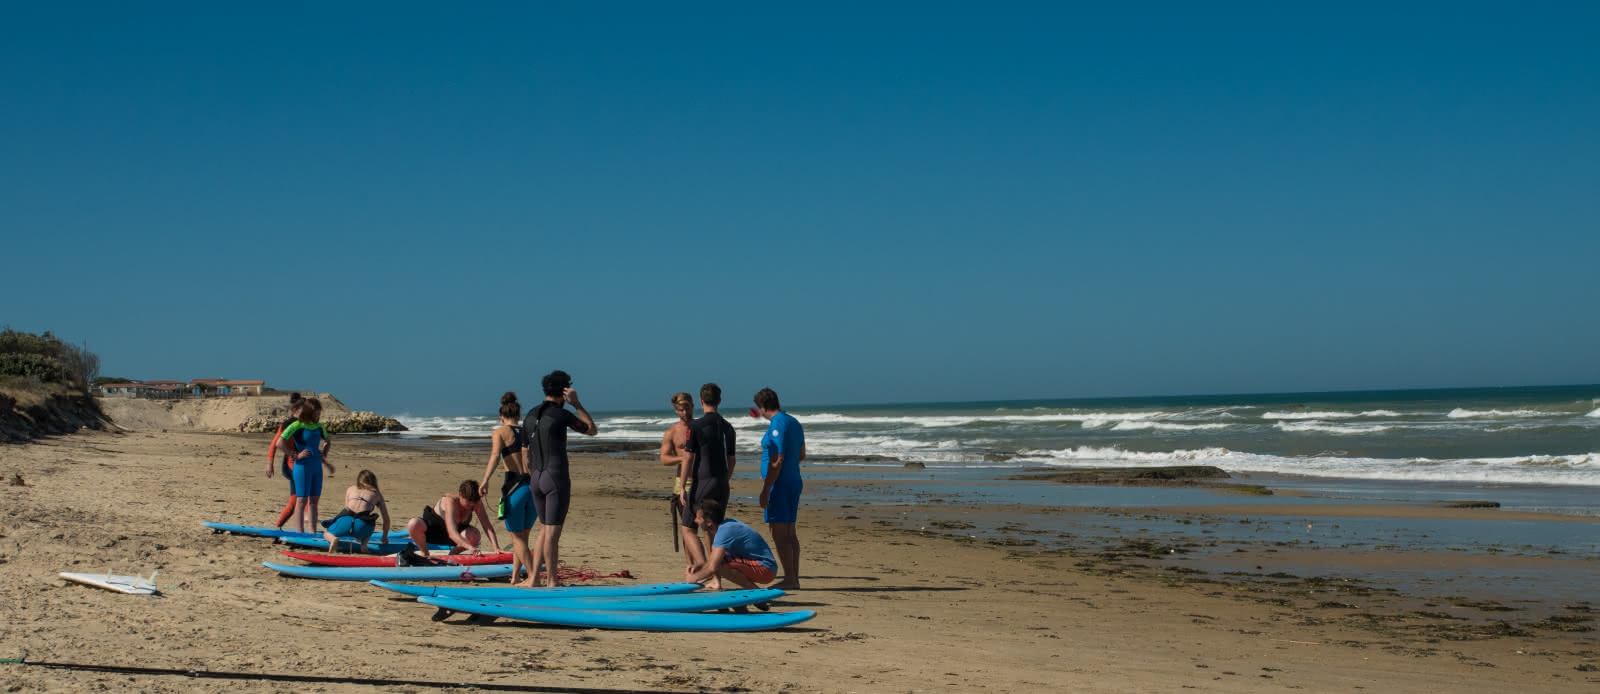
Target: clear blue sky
x,y
420,205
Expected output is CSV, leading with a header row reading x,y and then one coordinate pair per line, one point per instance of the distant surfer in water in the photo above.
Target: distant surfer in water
x,y
545,438
449,522
311,445
288,458
672,453
516,496
357,517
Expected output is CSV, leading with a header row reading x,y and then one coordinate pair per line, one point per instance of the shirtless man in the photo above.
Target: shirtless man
x,y
673,454
449,522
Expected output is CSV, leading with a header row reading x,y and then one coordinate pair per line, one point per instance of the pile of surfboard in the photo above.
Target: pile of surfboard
x,y
653,607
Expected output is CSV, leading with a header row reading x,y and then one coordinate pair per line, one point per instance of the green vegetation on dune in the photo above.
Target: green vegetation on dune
x,y
31,362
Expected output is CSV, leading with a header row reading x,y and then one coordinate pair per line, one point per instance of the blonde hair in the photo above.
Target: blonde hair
x,y
682,399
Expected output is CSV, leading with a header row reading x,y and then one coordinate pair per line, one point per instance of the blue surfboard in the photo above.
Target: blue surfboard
x,y
485,593
261,531
393,573
350,545
638,620
680,602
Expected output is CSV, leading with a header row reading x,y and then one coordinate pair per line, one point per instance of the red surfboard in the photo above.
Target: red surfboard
x,y
374,560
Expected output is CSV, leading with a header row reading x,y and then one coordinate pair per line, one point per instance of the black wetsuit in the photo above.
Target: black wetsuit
x,y
435,527
710,442
546,437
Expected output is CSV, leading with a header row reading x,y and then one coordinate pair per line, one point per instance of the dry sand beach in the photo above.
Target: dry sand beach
x,y
900,609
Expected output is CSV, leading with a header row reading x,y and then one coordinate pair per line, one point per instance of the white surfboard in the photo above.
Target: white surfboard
x,y
132,585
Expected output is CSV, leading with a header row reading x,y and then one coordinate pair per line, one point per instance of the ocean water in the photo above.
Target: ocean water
x,y
1518,436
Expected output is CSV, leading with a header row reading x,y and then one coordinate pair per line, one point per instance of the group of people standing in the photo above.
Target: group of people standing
x,y
702,450
537,487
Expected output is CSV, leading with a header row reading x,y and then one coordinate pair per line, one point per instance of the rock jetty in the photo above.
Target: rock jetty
x,y
352,423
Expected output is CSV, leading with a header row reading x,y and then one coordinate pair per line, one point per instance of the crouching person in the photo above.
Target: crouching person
x,y
738,552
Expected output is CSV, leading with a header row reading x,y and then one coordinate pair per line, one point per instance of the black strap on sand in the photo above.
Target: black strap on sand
x,y
323,679
676,510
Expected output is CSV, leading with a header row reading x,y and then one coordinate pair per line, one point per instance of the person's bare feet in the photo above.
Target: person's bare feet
x,y
785,584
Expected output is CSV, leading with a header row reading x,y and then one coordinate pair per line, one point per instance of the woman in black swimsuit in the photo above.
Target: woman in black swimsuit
x,y
449,522
516,498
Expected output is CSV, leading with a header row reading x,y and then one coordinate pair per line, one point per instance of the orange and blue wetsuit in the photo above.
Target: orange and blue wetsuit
x,y
287,466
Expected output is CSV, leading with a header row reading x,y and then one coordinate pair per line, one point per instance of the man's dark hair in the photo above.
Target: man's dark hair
x,y
294,399
712,510
556,382
711,394
767,399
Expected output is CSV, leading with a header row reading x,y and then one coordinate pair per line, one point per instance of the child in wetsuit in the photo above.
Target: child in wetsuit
x,y
311,444
288,458
357,517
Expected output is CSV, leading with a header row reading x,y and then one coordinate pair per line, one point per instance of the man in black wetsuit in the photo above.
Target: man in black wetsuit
x,y
707,471
545,450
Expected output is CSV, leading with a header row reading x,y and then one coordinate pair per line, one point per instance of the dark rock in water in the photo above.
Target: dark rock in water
x,y
1133,475
1249,489
1469,504
915,466
611,446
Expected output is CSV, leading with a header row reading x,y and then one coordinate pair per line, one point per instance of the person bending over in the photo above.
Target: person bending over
x,y
357,517
737,551
449,522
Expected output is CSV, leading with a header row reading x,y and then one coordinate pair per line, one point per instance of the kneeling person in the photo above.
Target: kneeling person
x,y
362,504
738,553
449,522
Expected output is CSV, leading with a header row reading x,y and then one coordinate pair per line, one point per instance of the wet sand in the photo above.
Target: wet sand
x,y
900,608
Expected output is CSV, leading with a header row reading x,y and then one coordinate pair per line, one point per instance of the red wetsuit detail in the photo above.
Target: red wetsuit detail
x,y
288,459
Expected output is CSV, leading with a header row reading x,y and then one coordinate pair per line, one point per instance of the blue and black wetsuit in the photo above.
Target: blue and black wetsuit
x,y
307,436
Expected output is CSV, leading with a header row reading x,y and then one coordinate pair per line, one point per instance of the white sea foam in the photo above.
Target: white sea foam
x,y
1085,419
1582,469
1461,413
1382,413
1136,425
1328,428
1595,413
1309,415
1331,415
